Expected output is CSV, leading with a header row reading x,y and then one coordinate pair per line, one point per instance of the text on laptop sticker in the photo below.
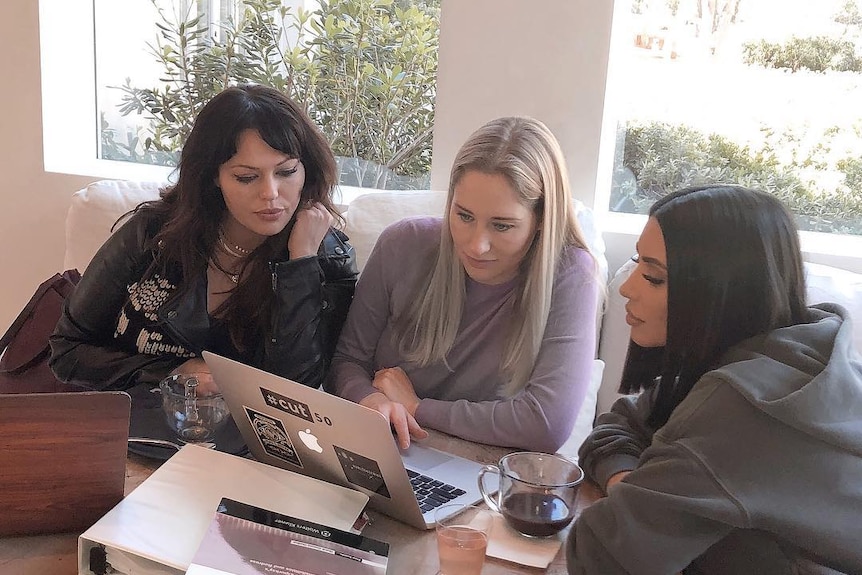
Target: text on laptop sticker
x,y
293,407
272,436
362,471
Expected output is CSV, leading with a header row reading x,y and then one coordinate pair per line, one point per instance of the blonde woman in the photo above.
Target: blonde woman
x,y
480,324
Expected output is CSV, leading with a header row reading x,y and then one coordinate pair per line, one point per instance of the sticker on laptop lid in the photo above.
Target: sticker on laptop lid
x,y
272,436
286,404
362,471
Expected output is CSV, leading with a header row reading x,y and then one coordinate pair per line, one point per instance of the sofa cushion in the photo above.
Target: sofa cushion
x,y
586,416
828,284
824,284
614,339
369,214
94,210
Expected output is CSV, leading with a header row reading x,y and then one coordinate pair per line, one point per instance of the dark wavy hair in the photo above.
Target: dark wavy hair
x,y
734,270
193,209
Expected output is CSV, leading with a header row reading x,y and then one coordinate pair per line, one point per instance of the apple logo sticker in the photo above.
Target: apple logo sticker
x,y
310,440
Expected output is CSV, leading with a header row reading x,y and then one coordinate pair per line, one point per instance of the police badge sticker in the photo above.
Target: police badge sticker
x,y
273,436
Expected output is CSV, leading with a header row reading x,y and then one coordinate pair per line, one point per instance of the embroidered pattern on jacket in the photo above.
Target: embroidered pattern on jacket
x,y
140,312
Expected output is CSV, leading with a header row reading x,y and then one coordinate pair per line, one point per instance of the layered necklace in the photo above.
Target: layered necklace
x,y
232,250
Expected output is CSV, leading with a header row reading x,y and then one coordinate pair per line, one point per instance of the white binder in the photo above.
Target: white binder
x,y
157,528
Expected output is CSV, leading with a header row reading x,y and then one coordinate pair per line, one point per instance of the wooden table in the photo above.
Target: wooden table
x,y
412,550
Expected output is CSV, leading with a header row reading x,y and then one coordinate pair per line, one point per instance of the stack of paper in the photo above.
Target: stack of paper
x,y
158,527
247,540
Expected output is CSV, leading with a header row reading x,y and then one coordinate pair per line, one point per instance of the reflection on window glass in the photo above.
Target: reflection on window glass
x,y
763,93
364,69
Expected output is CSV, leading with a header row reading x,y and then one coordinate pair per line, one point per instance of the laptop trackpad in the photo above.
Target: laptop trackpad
x,y
423,459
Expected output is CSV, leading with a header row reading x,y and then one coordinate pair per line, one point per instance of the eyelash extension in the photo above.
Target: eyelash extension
x,y
652,280
282,173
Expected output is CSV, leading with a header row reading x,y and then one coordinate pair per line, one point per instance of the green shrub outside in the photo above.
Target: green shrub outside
x,y
817,53
365,70
658,158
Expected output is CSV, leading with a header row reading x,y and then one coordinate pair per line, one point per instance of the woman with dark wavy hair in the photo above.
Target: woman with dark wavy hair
x,y
743,451
239,257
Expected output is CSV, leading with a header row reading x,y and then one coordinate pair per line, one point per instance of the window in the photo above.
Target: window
x,y
366,72
757,92
487,72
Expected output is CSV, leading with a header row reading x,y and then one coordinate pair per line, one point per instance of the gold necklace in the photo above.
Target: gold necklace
x,y
232,250
232,277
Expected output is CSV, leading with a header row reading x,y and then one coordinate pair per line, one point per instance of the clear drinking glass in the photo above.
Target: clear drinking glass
x,y
462,538
193,414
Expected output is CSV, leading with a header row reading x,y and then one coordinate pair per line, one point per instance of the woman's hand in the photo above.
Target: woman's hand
x,y
397,387
198,368
399,418
312,222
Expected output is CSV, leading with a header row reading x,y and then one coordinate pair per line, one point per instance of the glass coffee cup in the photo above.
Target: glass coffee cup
x,y
193,413
537,493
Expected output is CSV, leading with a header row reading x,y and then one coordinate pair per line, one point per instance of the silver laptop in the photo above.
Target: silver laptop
x,y
312,432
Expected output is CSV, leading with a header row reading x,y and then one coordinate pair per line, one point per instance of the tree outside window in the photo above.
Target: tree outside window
x,y
762,93
365,70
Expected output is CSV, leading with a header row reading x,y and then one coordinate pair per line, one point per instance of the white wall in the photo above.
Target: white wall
x,y
34,202
497,60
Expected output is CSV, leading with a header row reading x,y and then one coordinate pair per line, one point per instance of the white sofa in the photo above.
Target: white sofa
x,y
94,210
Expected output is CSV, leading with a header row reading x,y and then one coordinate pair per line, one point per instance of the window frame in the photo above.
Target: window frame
x,y
70,135
69,109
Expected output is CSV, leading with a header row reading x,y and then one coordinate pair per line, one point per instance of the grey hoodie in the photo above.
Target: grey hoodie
x,y
758,470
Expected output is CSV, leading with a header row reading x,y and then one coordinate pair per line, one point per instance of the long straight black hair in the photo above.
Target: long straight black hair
x,y
734,270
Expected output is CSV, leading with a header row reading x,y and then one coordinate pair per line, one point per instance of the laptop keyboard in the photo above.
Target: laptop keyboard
x,y
431,493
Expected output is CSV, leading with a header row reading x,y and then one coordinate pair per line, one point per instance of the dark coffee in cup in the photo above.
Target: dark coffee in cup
x,y
536,514
537,491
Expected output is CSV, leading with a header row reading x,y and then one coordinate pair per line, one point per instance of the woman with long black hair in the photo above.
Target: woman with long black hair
x,y
743,452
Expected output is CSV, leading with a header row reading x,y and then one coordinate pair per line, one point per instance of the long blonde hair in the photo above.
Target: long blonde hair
x,y
526,153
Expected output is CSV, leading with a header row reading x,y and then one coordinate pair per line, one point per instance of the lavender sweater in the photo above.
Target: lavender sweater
x,y
463,395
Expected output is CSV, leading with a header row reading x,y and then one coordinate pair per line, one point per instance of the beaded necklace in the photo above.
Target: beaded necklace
x,y
232,250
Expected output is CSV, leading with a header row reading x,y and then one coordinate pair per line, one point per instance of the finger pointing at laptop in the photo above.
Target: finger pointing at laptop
x,y
397,401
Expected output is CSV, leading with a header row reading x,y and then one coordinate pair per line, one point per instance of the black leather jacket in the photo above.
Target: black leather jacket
x,y
312,296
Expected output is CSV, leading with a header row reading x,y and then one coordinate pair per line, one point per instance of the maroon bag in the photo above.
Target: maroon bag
x,y
24,347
